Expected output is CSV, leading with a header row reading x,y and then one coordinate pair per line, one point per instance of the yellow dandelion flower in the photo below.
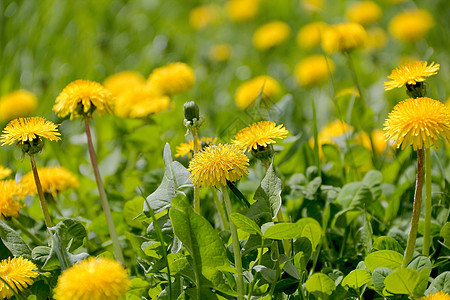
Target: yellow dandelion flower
x,y
418,122
188,148
220,52
203,16
348,91
364,13
270,35
441,295
172,79
313,70
18,272
121,82
217,164
411,25
343,37
26,130
9,195
260,134
53,180
140,102
249,91
309,36
4,172
17,104
376,38
312,5
242,10
378,140
411,73
330,133
82,97
93,279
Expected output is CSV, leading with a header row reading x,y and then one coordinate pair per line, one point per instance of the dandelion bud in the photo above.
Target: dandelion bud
x,y
191,111
416,90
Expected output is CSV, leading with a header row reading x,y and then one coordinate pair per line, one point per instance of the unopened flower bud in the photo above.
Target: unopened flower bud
x,y
191,111
416,90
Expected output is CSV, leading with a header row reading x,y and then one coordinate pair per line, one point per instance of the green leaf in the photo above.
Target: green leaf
x,y
421,286
378,277
354,195
244,223
203,243
357,156
300,261
445,233
384,258
175,176
440,283
72,234
373,179
435,228
332,153
365,234
356,279
313,233
388,243
131,210
281,231
267,196
402,281
419,263
177,262
12,240
320,285
138,288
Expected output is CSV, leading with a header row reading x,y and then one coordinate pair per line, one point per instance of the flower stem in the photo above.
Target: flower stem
x,y
416,211
196,188
427,224
43,202
222,213
103,198
236,246
25,231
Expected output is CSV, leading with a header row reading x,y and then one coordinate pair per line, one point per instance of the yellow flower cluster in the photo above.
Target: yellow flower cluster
x,y
220,52
259,134
17,104
10,194
53,180
411,25
309,36
203,16
141,101
364,13
343,37
441,295
270,35
123,81
172,79
188,148
4,172
313,70
242,10
249,91
18,273
411,73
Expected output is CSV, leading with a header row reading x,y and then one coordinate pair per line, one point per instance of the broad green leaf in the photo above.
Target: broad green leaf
x,y
267,196
378,277
332,153
137,289
388,243
12,240
72,233
440,283
354,195
313,233
365,233
373,179
40,254
320,284
357,156
131,210
300,261
177,262
435,228
304,221
445,233
402,281
175,175
356,279
384,258
281,231
419,263
244,223
421,286
203,243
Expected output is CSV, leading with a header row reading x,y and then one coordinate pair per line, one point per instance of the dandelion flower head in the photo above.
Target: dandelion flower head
x,y
220,52
53,181
82,97
418,122
27,130
242,10
376,38
17,104
140,102
93,279
216,164
172,79
441,295
188,148
18,272
343,37
309,36
411,25
121,82
204,16
260,134
270,35
10,193
249,91
330,134
364,13
410,73
313,70
4,172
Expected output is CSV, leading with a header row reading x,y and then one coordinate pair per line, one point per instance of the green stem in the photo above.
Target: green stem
x,y
255,278
25,231
236,246
416,211
221,210
103,198
47,219
427,224
355,78
196,188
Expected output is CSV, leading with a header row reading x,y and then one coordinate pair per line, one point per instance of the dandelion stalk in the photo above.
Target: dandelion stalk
x,y
103,198
236,246
196,189
42,201
25,231
223,215
427,224
416,211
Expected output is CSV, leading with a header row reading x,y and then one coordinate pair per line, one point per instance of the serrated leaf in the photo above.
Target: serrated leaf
x,y
354,195
384,258
246,224
71,233
402,281
320,284
356,279
313,233
12,240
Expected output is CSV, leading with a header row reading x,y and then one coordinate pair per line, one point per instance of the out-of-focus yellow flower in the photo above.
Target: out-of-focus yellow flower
x,y
348,91
309,36
220,52
418,122
410,74
242,10
378,140
172,79
329,133
441,295
376,38
270,35
260,134
10,193
4,172
364,13
313,69
343,37
53,180
217,164
121,82
203,16
188,148
18,273
82,98
312,5
249,91
93,279
411,25
26,130
17,104
140,102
